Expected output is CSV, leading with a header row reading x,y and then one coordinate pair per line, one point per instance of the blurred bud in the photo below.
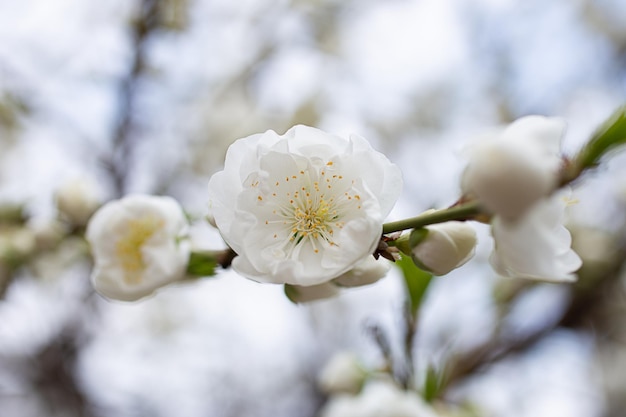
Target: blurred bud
x,y
52,264
173,14
16,244
47,234
12,214
299,294
342,374
77,200
368,271
440,248
513,168
379,399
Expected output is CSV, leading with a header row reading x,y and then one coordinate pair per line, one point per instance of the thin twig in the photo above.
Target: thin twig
x,y
121,156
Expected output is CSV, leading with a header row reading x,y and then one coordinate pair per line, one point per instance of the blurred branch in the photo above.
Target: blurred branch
x,y
55,380
586,298
121,157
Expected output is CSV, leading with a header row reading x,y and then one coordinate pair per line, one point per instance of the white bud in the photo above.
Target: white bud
x,y
511,170
444,247
342,374
368,271
378,399
77,200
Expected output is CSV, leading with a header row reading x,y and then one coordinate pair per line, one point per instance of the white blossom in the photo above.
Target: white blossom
x,y
511,169
378,399
342,374
304,207
138,246
537,246
445,247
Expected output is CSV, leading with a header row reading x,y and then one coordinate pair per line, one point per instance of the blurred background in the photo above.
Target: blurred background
x,y
102,99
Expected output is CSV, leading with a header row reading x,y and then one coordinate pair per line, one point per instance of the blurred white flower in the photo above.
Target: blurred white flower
x,y
77,200
537,246
511,169
366,272
138,246
444,246
304,207
342,374
378,399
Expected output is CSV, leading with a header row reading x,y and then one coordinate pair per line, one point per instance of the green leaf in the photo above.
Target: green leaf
x,y
292,293
432,384
201,264
416,280
610,135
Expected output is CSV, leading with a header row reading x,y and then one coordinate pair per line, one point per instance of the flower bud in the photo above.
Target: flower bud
x,y
47,234
368,271
342,374
379,398
511,170
16,244
77,200
440,248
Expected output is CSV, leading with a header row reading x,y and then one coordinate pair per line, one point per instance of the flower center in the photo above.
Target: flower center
x,y
128,247
305,209
314,221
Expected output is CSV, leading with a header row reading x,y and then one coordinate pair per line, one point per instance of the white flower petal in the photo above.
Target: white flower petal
x,y
366,272
537,246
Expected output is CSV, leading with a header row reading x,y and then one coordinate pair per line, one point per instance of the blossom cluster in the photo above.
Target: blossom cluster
x,y
306,209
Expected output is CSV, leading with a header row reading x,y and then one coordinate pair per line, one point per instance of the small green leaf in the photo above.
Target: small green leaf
x,y
432,384
201,264
292,293
416,281
610,135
